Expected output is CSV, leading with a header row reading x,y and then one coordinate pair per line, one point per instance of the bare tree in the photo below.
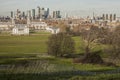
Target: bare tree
x,y
91,40
113,42
90,37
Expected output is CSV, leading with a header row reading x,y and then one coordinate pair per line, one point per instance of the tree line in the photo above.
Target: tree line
x,y
62,44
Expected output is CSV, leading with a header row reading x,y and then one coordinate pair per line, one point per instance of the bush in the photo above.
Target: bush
x,y
92,58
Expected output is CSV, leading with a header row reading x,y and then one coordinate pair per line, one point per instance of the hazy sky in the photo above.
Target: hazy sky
x,y
72,7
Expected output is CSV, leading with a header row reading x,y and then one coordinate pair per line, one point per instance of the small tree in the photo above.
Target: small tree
x,y
60,44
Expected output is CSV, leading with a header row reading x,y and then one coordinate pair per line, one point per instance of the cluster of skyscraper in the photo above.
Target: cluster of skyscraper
x,y
18,14
40,13
56,14
111,17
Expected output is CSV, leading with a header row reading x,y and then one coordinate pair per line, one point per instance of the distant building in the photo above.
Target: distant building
x,y
38,25
111,17
56,14
33,13
103,17
53,30
46,13
114,17
18,15
39,10
12,14
5,26
23,15
20,29
106,16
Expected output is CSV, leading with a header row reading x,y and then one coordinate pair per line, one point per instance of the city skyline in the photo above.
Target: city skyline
x,y
72,7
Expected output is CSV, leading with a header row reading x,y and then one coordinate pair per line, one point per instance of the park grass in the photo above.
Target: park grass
x,y
23,44
61,64
78,45
58,65
23,49
34,43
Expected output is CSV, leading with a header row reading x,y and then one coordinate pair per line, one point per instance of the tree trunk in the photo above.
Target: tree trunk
x,y
87,51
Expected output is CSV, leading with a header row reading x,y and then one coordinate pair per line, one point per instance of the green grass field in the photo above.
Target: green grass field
x,y
23,44
35,43
31,50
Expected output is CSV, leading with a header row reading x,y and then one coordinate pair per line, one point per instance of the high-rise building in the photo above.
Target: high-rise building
x,y
42,13
111,18
106,16
17,12
18,15
23,14
56,14
39,11
103,16
28,17
114,17
30,13
33,13
12,14
46,13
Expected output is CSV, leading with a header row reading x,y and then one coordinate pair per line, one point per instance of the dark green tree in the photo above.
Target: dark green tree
x,y
60,45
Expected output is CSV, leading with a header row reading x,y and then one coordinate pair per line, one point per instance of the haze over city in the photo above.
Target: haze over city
x,y
72,7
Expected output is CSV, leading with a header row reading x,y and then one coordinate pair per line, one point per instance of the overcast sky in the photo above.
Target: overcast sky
x,y
72,7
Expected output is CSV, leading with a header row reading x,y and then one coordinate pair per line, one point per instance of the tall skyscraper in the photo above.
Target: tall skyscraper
x,y
56,14
103,16
114,17
106,16
46,13
12,14
23,14
42,13
39,11
28,17
33,13
18,15
111,18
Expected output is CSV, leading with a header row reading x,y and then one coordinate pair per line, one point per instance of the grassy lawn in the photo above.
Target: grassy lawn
x,y
13,47
23,44
53,68
34,43
28,53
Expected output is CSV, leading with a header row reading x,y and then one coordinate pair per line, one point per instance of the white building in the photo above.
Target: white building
x,y
20,29
5,26
38,25
53,30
